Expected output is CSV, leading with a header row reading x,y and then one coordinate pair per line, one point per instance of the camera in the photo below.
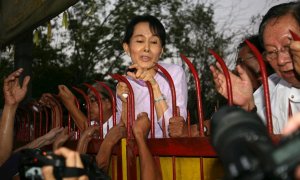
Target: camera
x,y
246,150
32,160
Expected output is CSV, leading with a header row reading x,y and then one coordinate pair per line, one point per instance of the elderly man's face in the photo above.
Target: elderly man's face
x,y
277,39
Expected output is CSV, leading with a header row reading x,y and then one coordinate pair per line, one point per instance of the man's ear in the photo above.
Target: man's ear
x,y
126,48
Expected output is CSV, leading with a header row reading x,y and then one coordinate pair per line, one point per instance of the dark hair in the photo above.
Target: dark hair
x,y
105,94
254,39
278,11
156,28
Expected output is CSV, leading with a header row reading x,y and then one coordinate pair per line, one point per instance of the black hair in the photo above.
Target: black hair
x,y
156,28
278,11
105,94
254,39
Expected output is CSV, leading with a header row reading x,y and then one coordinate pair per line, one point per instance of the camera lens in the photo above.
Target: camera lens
x,y
240,138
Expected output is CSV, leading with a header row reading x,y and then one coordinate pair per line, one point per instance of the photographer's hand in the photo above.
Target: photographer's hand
x,y
73,160
292,126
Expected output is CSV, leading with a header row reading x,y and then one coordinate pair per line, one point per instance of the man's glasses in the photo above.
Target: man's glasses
x,y
240,60
271,55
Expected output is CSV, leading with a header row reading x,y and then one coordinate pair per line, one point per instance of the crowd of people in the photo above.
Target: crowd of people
x,y
144,42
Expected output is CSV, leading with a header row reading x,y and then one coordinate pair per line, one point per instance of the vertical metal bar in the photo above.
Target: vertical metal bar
x,y
34,123
227,76
131,96
28,122
130,103
189,123
201,169
172,88
20,133
47,119
54,98
113,165
265,85
69,123
99,101
88,103
41,120
198,93
151,95
174,167
112,98
78,130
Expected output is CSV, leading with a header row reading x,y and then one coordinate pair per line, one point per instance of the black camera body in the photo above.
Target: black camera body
x,y
246,150
32,160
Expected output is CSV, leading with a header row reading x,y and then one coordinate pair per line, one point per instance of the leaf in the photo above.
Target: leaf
x,y
49,31
65,22
36,38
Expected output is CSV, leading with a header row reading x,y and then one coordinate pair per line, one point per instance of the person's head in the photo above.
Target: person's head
x,y
105,102
144,40
275,36
248,61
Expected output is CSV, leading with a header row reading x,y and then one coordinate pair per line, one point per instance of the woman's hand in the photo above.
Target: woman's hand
x,y
122,91
143,74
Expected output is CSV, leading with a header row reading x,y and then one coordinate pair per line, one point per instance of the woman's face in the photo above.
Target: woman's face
x,y
145,47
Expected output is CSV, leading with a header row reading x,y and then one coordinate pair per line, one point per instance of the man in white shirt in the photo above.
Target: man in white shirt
x,y
276,39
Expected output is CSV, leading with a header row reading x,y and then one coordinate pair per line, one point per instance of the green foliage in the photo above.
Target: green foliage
x,y
91,46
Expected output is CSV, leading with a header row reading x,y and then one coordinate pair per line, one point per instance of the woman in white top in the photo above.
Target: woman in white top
x,y
144,42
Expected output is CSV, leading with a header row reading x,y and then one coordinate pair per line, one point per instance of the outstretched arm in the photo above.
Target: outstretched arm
x,y
14,93
85,138
44,140
68,99
111,139
140,129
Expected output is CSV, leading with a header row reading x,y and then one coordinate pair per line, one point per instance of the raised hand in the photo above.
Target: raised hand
x,y
143,74
66,96
242,90
295,50
141,126
14,93
111,139
85,138
177,126
122,89
62,138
